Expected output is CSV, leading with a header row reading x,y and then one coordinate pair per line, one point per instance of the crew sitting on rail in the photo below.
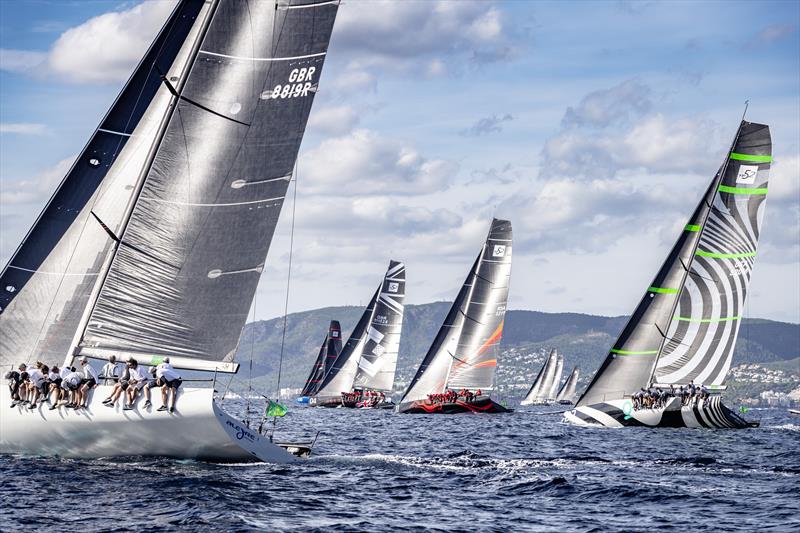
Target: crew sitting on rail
x,y
136,382
15,380
35,384
54,383
170,381
70,383
88,382
120,386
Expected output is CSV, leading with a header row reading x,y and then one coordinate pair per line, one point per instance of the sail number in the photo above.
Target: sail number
x,y
300,83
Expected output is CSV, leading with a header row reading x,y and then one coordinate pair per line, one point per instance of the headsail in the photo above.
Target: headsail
x,y
709,267
567,392
540,387
370,354
47,283
464,352
190,258
328,351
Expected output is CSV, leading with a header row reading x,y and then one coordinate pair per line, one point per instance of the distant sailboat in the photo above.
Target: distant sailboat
x,y
154,242
556,381
540,390
363,373
566,396
330,349
684,329
464,353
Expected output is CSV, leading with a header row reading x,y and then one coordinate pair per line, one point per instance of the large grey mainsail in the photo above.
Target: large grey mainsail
x,y
188,262
707,272
541,385
47,283
567,392
464,352
369,357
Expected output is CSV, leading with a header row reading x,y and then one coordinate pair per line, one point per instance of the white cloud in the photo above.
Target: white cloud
x,y
38,188
784,180
335,120
107,47
23,128
20,60
364,162
601,108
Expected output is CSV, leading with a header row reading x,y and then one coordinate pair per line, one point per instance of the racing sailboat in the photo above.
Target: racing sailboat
x,y
683,332
553,392
566,396
463,356
154,242
539,391
363,373
330,349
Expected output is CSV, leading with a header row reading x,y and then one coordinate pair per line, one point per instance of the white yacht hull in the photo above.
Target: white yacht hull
x,y
198,429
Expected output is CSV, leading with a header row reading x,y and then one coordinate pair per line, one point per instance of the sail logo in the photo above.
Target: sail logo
x,y
501,310
381,319
499,250
747,174
393,286
300,84
335,334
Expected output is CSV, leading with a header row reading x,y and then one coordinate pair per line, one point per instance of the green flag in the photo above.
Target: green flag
x,y
743,409
276,409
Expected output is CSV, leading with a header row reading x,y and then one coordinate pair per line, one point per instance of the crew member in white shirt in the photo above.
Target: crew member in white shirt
x,y
169,381
88,382
137,381
111,370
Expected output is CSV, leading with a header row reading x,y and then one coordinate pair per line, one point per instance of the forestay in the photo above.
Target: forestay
x,y
189,260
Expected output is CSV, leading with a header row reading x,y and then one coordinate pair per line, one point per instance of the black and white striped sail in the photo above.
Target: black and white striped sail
x,y
464,352
46,286
541,385
567,392
686,324
328,352
189,259
369,358
556,381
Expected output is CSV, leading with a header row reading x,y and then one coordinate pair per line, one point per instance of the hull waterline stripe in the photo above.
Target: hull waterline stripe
x,y
662,290
703,253
262,58
692,227
707,320
752,158
742,190
626,352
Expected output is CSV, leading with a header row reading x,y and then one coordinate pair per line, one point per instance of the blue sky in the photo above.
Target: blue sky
x,y
592,126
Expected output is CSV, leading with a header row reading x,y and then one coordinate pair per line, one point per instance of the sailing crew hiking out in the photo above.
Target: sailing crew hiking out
x,y
33,385
451,396
135,379
363,399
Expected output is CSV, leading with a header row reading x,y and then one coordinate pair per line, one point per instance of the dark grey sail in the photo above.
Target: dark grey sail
x,y
328,351
464,352
541,385
369,357
188,262
728,243
47,282
567,391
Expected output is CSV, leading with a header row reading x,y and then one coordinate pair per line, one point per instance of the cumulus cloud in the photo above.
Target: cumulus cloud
x,y
487,125
23,128
364,162
335,120
103,49
38,188
600,108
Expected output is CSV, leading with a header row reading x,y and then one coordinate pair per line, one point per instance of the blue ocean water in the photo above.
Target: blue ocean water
x,y
380,471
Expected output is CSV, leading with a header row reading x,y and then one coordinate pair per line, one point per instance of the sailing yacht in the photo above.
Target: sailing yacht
x,y
566,395
153,244
362,374
683,332
539,392
463,355
330,349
